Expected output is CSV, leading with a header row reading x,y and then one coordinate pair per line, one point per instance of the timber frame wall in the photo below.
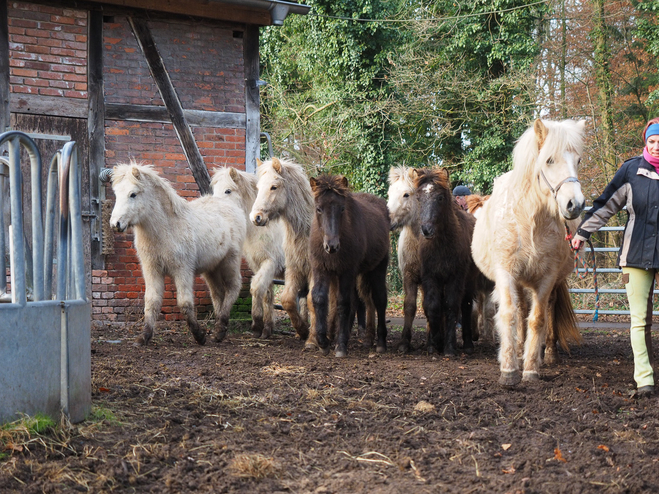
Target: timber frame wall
x,y
173,91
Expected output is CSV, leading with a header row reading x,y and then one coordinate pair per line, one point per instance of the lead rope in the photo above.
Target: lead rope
x,y
577,259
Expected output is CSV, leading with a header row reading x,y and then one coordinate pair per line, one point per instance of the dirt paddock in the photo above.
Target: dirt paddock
x,y
254,416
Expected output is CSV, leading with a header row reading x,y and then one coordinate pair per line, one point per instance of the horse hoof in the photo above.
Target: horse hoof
x,y
341,354
381,349
266,333
201,338
325,351
367,342
403,347
469,350
310,346
256,333
219,336
450,352
551,358
531,376
509,379
141,340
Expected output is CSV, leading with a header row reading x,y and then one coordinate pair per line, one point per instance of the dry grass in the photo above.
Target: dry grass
x,y
254,466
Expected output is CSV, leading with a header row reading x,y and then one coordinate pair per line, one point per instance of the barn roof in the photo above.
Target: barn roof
x,y
259,12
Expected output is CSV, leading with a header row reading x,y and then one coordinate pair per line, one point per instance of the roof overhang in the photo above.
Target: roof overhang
x,y
259,12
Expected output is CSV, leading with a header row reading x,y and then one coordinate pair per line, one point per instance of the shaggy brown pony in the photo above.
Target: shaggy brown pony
x,y
349,246
448,273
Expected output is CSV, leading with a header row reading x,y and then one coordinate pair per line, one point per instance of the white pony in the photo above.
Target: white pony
x,y
263,248
404,214
181,239
519,242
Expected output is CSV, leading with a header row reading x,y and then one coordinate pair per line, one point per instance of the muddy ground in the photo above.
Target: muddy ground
x,y
254,416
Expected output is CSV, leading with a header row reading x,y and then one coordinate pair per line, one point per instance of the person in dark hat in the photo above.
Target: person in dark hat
x,y
460,193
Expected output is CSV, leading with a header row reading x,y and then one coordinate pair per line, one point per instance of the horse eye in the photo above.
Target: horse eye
x,y
274,187
343,208
319,211
406,194
228,191
133,195
550,161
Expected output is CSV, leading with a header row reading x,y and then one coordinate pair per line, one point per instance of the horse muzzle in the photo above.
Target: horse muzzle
x,y
427,231
331,248
119,227
573,209
259,219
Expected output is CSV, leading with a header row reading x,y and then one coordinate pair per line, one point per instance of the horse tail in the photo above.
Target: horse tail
x,y
565,320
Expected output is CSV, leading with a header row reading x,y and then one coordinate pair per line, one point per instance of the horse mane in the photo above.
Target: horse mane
x,y
474,201
566,135
436,176
401,173
246,184
330,183
147,175
298,191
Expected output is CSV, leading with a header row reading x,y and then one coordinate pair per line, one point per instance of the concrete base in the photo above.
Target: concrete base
x,y
45,355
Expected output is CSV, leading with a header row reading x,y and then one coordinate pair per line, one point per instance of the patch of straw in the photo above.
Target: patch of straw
x,y
254,466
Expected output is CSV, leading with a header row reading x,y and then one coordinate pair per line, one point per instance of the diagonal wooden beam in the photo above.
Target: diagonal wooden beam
x,y
172,103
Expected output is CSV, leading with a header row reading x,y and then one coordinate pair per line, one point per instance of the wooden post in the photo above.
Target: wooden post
x,y
252,99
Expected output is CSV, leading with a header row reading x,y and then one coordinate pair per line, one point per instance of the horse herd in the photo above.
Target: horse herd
x,y
332,247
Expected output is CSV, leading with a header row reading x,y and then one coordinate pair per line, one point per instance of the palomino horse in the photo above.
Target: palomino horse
x,y
519,241
284,193
448,274
263,248
404,214
181,239
349,244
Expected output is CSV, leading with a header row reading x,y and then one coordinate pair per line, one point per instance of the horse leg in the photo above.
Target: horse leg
x,y
432,308
361,317
537,328
332,319
409,309
154,289
452,306
345,307
320,298
185,300
379,297
227,276
522,320
294,283
506,323
551,350
364,294
467,337
261,291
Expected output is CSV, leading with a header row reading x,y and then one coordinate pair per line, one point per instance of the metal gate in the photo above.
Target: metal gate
x,y
45,340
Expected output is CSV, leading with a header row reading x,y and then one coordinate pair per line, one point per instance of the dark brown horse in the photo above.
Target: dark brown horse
x,y
349,245
448,273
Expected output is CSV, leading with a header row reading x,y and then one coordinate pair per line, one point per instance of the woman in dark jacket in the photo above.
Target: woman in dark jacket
x,y
635,185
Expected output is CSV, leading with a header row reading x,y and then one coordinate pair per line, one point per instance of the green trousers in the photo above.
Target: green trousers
x,y
639,284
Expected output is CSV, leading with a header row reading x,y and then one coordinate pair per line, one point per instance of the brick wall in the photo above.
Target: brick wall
x,y
48,56
47,50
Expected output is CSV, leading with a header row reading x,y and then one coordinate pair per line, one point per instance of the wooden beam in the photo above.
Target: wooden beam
x,y
96,131
170,98
56,106
195,118
252,98
199,8
4,68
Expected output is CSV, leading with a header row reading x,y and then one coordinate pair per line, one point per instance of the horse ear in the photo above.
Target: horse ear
x,y
582,125
258,162
136,173
444,171
394,174
233,173
314,183
276,164
540,132
411,173
344,182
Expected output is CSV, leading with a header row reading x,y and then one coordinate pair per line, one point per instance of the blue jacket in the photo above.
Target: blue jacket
x,y
635,185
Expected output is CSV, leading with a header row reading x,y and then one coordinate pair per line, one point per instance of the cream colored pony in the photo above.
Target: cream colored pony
x,y
284,193
263,248
181,239
519,241
404,214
